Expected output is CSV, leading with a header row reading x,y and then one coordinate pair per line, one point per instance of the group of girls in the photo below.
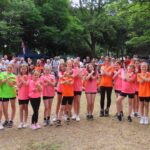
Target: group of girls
x,y
132,81
37,86
26,87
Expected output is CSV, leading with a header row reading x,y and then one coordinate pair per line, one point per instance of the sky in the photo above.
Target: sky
x,y
75,1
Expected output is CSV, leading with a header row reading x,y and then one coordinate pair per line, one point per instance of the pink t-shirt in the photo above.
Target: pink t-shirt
x,y
30,77
77,79
48,90
23,90
32,87
128,87
59,86
118,81
91,85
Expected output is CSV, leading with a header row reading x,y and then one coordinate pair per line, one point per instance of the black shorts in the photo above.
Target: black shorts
x,y
77,93
137,93
90,92
7,99
67,100
47,97
117,91
130,95
144,99
60,93
23,102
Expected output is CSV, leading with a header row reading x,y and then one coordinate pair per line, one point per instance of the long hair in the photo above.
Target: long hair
x,y
88,69
21,66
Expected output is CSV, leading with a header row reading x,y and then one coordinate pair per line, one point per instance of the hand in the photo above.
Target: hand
x,y
65,74
5,80
25,77
46,80
38,85
92,72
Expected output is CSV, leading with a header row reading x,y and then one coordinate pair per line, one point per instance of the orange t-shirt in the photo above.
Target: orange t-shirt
x,y
39,68
144,88
67,89
106,81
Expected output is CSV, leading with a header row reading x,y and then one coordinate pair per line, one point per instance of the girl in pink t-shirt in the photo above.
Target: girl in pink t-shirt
x,y
128,89
48,84
117,80
35,90
23,95
59,88
90,89
77,74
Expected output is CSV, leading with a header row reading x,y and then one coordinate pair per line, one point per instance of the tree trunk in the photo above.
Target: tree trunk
x,y
93,51
93,45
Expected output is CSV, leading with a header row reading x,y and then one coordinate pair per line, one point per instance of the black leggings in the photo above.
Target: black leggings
x,y
35,103
104,90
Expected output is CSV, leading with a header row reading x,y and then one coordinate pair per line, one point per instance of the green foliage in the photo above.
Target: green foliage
x,y
55,27
139,22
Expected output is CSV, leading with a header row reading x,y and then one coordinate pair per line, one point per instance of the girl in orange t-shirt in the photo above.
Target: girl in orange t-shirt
x,y
106,86
59,89
67,93
144,92
135,105
39,66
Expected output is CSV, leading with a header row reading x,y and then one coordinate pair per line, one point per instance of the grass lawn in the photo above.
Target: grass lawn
x,y
99,134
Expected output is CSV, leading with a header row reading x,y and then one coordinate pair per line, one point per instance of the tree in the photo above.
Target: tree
x,y
60,28
139,21
57,27
10,28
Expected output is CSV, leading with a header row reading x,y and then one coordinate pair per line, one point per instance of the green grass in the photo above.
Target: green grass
x,y
43,146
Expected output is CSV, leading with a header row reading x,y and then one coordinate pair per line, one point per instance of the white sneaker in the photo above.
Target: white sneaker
x,y
74,117
65,117
142,120
133,114
77,118
20,126
1,126
25,125
54,119
146,120
51,123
